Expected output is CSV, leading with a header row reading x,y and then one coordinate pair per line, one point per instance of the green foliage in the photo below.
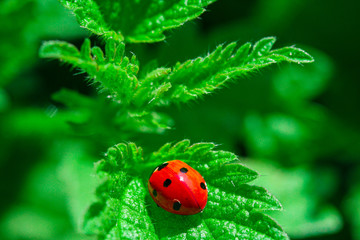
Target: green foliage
x,y
134,21
124,210
271,117
117,74
121,210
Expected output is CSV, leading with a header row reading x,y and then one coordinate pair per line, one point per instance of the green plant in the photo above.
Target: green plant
x,y
130,103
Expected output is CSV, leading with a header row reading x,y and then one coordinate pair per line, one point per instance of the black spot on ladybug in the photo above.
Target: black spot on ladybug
x,y
167,182
177,205
162,166
202,185
184,170
157,205
154,193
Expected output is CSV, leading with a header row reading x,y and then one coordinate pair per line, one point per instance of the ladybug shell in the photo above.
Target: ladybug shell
x,y
178,188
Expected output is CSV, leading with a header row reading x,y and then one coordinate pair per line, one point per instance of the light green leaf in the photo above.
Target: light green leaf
x,y
292,54
262,47
124,209
134,20
133,221
120,212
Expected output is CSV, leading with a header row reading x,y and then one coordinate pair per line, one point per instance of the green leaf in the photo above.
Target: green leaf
x,y
89,16
134,20
195,78
201,76
113,72
121,212
125,210
292,54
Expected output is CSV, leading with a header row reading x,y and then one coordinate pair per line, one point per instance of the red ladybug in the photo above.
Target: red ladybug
x,y
178,188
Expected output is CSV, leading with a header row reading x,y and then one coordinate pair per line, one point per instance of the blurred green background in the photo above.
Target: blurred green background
x,y
298,126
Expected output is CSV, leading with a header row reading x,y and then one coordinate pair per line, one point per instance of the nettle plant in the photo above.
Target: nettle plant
x,y
124,208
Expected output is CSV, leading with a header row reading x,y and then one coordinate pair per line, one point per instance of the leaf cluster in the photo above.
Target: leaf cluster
x,y
117,75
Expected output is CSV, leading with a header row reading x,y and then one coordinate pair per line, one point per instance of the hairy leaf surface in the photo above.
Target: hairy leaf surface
x,y
203,75
134,20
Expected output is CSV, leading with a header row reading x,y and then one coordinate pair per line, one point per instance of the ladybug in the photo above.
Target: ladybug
x,y
178,188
